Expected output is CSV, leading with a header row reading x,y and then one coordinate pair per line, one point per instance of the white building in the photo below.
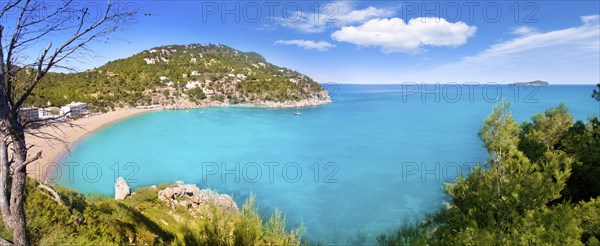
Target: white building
x,y
170,83
193,60
293,80
195,73
150,60
192,84
163,78
241,76
29,113
47,113
231,75
208,91
74,108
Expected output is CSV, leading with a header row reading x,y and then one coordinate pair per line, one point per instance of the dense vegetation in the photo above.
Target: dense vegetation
x,y
142,219
142,79
539,186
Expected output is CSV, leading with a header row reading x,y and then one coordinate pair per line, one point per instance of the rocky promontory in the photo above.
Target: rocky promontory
x,y
190,196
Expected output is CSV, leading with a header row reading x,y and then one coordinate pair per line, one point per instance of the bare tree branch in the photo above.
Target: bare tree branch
x,y
20,167
9,6
66,50
55,195
20,74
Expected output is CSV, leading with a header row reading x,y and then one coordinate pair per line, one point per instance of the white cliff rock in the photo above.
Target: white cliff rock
x,y
190,196
121,189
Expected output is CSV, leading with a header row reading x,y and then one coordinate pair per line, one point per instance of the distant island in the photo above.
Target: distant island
x,y
180,77
533,83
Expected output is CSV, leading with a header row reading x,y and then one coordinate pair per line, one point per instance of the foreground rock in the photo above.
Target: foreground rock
x,y
190,196
121,189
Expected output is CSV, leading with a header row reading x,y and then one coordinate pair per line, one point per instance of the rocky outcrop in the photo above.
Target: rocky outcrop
x,y
190,196
121,189
314,101
320,98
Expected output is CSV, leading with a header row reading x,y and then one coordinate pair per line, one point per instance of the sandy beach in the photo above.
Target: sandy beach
x,y
53,150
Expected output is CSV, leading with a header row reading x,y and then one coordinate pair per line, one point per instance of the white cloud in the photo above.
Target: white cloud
x,y
523,30
337,13
582,38
570,55
348,15
394,35
307,44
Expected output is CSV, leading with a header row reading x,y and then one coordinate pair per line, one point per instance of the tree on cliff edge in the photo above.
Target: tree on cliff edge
x,y
60,31
596,93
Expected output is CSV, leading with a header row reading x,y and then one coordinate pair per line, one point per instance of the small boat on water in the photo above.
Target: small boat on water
x,y
297,113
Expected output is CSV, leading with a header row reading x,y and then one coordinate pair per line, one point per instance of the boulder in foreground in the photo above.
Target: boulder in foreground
x,y
190,196
121,189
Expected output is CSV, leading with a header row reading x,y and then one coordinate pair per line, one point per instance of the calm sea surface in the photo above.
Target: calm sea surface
x,y
375,158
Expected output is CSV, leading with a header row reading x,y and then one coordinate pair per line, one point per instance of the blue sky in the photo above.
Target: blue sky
x,y
385,41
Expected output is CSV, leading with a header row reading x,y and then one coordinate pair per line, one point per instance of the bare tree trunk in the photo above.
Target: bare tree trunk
x,y
17,203
17,209
4,172
16,86
4,164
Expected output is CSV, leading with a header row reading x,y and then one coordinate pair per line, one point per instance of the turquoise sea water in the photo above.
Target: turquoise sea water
x,y
372,160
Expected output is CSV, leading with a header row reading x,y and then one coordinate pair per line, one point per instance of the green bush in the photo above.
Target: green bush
x,y
523,193
142,219
196,94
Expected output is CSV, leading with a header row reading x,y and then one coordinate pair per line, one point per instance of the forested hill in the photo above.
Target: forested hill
x,y
180,76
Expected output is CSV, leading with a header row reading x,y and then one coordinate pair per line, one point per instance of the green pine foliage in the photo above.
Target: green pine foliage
x,y
596,93
582,141
196,94
539,186
589,214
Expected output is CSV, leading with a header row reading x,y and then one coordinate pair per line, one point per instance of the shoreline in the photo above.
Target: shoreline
x,y
55,151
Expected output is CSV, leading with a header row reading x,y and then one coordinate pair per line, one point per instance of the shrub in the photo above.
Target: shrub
x,y
142,219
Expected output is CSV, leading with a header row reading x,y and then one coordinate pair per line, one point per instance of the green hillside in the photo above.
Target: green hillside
x,y
222,76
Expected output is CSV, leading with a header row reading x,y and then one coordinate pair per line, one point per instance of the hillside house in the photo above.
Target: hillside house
x,y
74,108
29,114
192,84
